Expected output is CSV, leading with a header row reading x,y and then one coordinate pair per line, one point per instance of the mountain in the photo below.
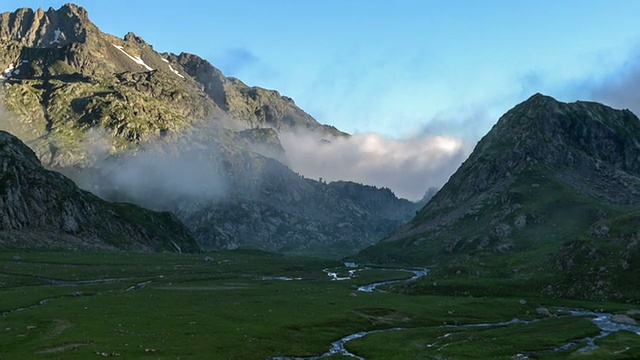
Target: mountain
x,y
172,133
304,217
63,76
548,200
42,209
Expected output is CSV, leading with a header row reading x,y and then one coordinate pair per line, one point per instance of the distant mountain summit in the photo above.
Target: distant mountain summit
x,y
552,189
172,133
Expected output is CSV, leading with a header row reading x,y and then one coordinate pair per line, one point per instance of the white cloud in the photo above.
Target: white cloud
x,y
621,89
186,168
407,166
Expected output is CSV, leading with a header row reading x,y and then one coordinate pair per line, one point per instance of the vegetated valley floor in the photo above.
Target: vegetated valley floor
x,y
249,304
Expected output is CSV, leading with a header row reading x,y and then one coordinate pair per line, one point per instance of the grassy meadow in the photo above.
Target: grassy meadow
x,y
238,305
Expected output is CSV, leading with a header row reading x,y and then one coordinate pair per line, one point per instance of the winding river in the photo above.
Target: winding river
x,y
604,321
417,274
337,347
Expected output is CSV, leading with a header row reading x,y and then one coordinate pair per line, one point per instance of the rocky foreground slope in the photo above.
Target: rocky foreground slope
x,y
547,200
172,133
41,209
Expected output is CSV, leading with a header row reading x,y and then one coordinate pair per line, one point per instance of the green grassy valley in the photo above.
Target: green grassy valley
x,y
248,304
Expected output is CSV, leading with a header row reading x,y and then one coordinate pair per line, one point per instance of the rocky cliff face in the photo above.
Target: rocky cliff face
x,y
43,209
551,188
172,133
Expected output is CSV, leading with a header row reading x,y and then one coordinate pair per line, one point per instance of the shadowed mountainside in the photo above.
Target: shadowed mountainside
x,y
41,209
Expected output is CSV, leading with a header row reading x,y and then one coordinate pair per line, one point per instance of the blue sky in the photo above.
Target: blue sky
x,y
394,68
418,81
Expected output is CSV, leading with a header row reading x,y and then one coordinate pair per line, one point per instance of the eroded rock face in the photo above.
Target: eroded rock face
x,y
43,209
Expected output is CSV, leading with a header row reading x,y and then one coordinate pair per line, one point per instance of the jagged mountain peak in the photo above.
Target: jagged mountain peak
x,y
51,28
71,10
68,37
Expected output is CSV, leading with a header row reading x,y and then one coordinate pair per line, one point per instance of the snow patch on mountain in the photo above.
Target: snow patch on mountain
x,y
137,59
